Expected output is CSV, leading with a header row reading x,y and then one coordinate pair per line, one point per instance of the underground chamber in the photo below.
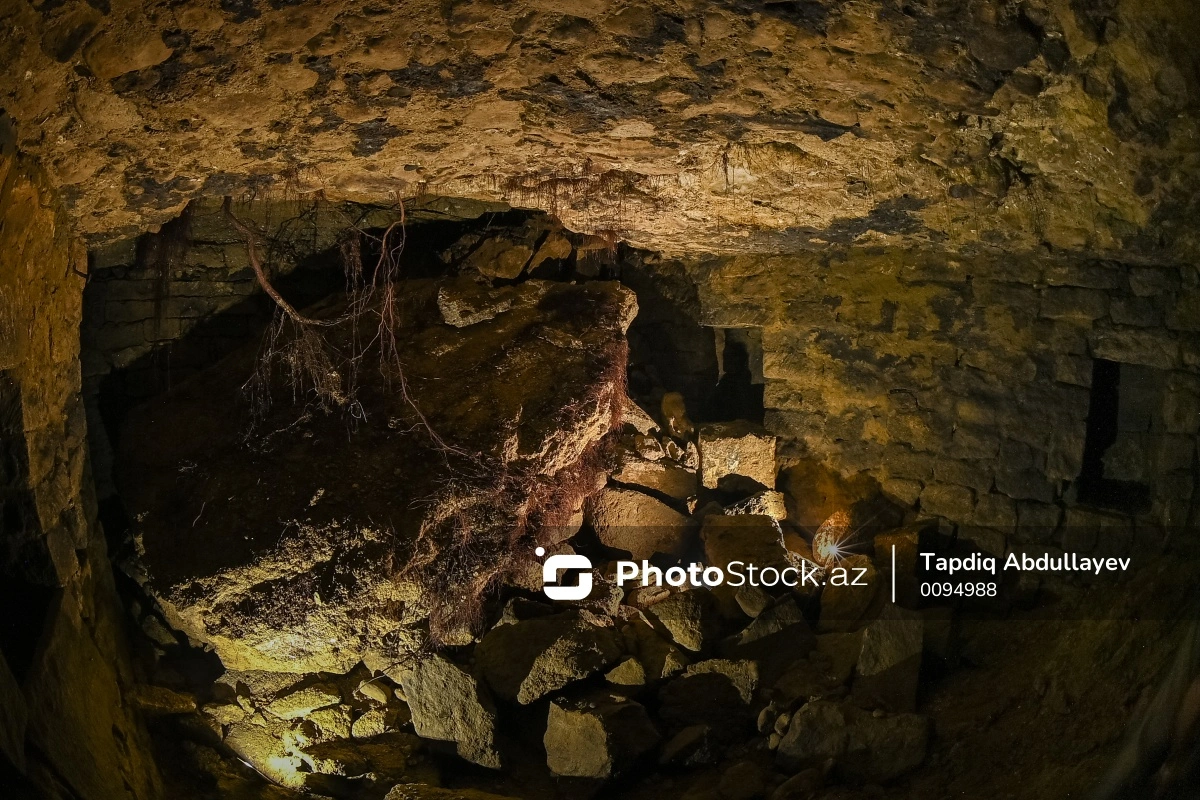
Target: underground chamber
x,y
778,400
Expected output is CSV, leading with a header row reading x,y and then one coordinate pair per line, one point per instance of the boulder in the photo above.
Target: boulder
x,y
659,657
449,705
767,503
743,780
736,449
663,477
801,786
862,746
805,680
499,257
304,702
776,638
467,302
598,736
751,539
717,692
308,544
839,652
391,758
637,523
695,744
634,417
531,658
675,416
889,664
689,618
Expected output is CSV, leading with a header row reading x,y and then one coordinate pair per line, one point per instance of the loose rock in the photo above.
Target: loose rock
x,y
862,746
599,736
449,705
638,523
736,449
531,658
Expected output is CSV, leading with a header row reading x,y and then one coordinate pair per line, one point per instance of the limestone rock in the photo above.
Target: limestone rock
x,y
863,747
661,477
889,665
420,791
391,757
161,700
239,554
801,786
776,638
629,672
736,449
598,736
751,539
768,503
675,416
500,258
658,657
716,692
466,302
743,780
449,705
688,618
635,417
637,523
304,702
695,744
531,658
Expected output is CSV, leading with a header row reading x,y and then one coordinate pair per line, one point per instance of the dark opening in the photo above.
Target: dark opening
x,y
26,574
1103,428
737,396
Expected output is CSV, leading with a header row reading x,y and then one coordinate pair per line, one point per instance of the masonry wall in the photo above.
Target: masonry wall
x,y
66,726
963,385
161,307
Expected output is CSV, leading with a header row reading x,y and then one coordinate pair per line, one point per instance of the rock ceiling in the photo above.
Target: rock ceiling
x,y
686,127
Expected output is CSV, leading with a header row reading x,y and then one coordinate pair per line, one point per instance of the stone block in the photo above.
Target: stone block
x,y
1151,348
995,511
1149,281
1136,311
901,462
1185,315
1181,411
1072,369
1025,484
974,442
129,310
1095,275
1037,522
736,449
972,474
1067,303
598,736
956,503
902,490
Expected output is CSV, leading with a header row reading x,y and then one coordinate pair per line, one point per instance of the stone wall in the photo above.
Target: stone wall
x,y
963,384
163,306
64,717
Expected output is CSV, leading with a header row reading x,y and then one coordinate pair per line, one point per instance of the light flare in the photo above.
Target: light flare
x,y
829,543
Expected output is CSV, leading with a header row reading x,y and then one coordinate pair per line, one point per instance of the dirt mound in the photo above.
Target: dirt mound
x,y
316,540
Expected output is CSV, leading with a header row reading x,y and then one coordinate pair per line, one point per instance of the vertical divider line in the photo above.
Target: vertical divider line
x,y
893,574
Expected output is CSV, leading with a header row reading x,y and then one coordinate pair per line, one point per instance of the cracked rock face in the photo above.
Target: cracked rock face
x,y
682,126
285,549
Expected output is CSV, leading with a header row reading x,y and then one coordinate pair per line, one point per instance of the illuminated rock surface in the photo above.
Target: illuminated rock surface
x,y
282,549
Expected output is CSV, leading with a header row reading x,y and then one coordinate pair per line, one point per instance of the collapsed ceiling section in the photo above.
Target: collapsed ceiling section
x,y
679,126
